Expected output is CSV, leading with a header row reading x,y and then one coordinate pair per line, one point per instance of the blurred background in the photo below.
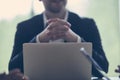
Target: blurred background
x,y
104,12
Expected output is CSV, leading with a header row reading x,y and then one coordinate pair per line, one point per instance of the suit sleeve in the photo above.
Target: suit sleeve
x,y
98,52
21,37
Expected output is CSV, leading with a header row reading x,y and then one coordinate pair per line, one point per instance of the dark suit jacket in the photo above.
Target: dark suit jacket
x,y
84,27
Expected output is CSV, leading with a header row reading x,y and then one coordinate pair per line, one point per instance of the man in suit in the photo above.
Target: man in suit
x,y
57,24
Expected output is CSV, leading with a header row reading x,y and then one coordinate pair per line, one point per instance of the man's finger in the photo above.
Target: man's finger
x,y
63,22
58,36
55,22
51,25
52,20
60,28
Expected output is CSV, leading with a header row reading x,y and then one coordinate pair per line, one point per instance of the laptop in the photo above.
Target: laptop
x,y
56,61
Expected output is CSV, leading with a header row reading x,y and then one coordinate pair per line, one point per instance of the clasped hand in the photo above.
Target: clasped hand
x,y
57,29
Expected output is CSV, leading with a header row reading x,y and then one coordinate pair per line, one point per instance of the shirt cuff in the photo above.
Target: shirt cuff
x,y
78,39
37,39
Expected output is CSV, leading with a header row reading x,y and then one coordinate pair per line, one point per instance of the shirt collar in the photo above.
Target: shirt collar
x,y
45,17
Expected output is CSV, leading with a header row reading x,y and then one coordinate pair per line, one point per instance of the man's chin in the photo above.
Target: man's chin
x,y
55,11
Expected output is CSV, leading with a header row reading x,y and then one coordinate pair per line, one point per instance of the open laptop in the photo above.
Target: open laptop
x,y
56,61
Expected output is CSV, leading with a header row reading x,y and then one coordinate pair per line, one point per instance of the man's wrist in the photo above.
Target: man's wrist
x,y
42,37
72,37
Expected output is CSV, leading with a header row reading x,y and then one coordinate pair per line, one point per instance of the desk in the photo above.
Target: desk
x,y
112,78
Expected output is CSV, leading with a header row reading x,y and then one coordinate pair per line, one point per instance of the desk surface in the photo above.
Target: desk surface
x,y
112,78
